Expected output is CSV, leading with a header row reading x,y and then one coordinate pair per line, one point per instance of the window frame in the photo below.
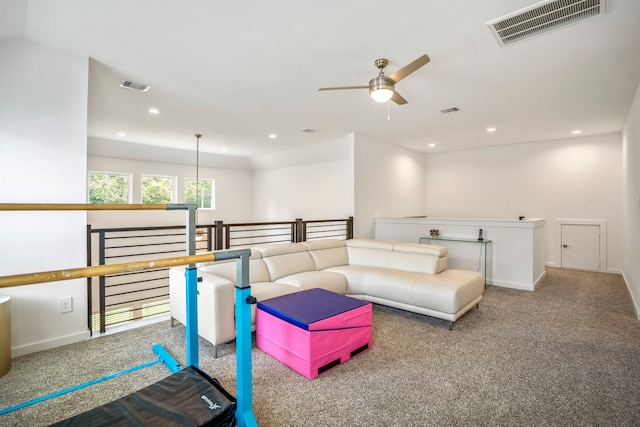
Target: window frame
x,y
213,191
129,184
172,197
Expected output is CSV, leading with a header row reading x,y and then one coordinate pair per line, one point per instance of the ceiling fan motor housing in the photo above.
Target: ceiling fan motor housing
x,y
380,82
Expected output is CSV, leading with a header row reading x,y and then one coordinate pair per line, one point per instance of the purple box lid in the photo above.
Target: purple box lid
x,y
306,307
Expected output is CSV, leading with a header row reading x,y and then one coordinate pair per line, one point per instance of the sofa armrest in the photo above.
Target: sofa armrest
x,y
216,312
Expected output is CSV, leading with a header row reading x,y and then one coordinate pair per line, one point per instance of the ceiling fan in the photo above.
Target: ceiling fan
x,y
382,88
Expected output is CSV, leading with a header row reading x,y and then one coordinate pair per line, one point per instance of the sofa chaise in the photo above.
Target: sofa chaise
x,y
407,276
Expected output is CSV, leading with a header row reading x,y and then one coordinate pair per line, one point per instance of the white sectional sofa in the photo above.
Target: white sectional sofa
x,y
407,276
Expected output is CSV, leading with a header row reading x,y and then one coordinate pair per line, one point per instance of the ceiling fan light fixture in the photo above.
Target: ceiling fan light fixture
x,y
381,89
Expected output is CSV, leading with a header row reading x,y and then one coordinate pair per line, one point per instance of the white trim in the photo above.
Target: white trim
x,y
602,223
634,302
49,344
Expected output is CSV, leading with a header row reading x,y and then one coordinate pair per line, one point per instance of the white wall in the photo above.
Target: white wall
x,y
631,201
310,183
43,134
233,194
389,182
576,178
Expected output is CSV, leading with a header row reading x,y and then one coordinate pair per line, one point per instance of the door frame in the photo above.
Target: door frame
x,y
602,223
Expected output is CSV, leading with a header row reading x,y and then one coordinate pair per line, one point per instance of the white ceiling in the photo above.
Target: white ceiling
x,y
237,71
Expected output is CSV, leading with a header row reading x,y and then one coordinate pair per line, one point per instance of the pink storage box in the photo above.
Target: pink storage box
x,y
312,331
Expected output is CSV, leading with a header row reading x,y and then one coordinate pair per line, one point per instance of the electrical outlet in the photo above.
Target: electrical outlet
x,y
66,304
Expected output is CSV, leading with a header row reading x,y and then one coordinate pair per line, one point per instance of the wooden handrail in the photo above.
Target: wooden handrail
x,y
78,207
101,270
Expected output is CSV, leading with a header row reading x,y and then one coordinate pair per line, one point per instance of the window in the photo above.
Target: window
x,y
158,189
204,196
109,188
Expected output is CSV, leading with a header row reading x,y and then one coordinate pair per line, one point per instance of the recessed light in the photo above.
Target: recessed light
x,y
224,149
575,132
432,145
122,134
491,129
273,136
154,111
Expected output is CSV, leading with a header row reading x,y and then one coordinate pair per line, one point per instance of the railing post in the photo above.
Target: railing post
x,y
219,235
89,323
102,282
297,236
227,236
350,228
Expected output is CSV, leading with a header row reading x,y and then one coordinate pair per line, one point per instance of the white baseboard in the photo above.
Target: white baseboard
x,y
52,343
636,307
512,285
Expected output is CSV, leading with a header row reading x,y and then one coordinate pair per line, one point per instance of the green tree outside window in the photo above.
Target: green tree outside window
x,y
108,188
158,189
203,197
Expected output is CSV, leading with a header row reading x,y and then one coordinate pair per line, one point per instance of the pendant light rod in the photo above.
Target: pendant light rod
x,y
198,136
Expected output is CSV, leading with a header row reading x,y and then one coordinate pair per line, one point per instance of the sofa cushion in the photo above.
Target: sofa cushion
x,y
328,253
370,244
354,275
228,269
414,262
419,248
449,291
265,290
393,285
331,281
288,264
368,256
274,249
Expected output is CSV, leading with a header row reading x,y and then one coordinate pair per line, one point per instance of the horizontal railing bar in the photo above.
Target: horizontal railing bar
x,y
145,236
128,308
103,270
163,227
259,223
144,245
134,292
136,272
136,300
145,253
324,220
115,285
258,237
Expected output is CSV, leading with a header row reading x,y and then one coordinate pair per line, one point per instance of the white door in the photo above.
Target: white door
x,y
580,246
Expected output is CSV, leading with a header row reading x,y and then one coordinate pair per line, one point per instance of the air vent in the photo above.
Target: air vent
x,y
135,86
449,110
310,131
542,17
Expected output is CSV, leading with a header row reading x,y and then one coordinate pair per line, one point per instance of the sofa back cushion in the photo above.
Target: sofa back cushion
x,y
417,258
369,252
229,270
284,259
328,253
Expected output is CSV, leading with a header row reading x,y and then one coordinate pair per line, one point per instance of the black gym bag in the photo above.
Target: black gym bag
x,y
187,398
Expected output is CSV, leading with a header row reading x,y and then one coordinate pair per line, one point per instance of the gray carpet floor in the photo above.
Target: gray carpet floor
x,y
567,354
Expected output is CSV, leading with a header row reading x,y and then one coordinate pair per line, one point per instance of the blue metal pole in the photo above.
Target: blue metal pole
x,y
77,387
191,326
168,360
244,412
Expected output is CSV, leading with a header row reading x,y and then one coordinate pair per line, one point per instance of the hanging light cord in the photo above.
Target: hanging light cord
x,y
197,173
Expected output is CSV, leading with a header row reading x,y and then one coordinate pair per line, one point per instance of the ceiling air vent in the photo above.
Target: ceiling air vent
x,y
450,110
542,17
135,86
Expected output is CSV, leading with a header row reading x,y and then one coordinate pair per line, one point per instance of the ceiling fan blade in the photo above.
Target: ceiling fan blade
x,y
398,99
344,87
408,69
